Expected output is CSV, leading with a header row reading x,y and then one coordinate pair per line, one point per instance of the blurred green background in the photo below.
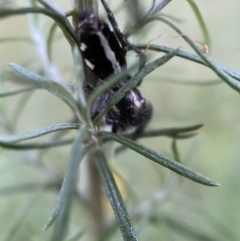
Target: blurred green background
x,y
177,91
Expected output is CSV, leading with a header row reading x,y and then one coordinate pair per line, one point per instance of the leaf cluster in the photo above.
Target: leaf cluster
x,y
89,138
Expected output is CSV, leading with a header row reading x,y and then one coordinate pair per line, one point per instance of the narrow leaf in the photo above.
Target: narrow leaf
x,y
136,79
31,146
175,151
192,57
78,82
50,39
110,82
61,20
115,198
55,88
15,92
63,201
29,187
215,67
200,21
161,159
15,39
39,132
50,5
170,131
183,136
192,82
175,132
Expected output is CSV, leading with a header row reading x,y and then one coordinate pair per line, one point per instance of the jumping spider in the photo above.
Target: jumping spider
x,y
104,52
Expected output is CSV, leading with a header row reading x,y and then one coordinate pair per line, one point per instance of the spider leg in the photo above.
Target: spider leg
x,y
126,45
145,120
140,128
115,128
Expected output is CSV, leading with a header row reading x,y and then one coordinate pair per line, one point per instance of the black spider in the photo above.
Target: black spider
x,y
105,54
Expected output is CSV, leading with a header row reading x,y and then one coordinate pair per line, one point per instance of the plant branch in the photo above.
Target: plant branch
x,y
89,185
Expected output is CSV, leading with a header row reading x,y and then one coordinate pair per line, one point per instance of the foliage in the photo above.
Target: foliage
x,y
89,139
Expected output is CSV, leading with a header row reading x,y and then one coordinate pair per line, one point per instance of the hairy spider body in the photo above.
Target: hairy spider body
x,y
99,46
104,55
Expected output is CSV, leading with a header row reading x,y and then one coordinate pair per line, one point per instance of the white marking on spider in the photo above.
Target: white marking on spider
x,y
109,53
89,64
80,24
136,101
83,47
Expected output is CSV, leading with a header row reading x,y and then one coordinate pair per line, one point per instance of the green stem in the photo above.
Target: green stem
x,y
89,182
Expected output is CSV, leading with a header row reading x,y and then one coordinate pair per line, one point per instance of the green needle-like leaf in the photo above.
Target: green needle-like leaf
x,y
63,202
15,92
78,80
39,132
160,159
174,132
50,39
192,57
136,79
175,151
115,198
200,21
170,131
215,67
30,187
110,82
31,146
15,39
61,20
55,88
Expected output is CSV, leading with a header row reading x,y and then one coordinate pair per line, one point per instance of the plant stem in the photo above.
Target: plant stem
x,y
91,194
89,182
